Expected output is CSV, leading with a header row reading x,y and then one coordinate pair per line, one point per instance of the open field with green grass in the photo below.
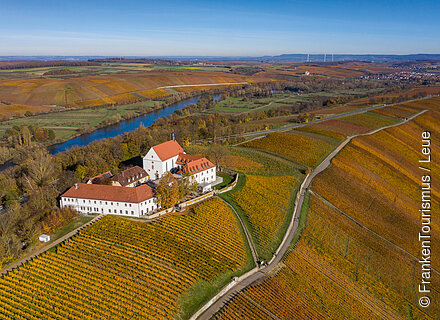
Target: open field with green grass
x,y
277,100
68,123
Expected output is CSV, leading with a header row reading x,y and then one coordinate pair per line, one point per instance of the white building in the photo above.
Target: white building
x,y
105,199
162,158
44,238
201,169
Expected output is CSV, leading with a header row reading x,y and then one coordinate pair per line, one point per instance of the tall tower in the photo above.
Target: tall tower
x,y
325,56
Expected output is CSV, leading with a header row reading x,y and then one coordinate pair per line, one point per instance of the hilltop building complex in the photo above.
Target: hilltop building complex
x,y
127,193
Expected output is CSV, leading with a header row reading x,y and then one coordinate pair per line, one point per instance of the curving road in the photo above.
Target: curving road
x,y
216,303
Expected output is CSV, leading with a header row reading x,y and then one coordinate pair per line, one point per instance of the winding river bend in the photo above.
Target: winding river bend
x,y
124,126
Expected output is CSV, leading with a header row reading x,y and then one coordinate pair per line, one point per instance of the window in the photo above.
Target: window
x,y
111,203
120,211
132,213
125,204
106,203
126,211
95,201
130,205
116,211
109,210
100,202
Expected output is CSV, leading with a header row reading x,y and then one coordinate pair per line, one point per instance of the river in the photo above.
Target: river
x,y
123,126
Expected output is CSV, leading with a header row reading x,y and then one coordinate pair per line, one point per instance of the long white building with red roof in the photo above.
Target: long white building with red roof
x,y
106,199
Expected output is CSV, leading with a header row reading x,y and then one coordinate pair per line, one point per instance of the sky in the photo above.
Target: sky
x,y
218,28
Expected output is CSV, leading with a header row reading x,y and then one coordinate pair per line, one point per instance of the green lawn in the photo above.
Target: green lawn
x,y
226,180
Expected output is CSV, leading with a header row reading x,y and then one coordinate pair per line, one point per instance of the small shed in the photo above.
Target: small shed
x,y
44,238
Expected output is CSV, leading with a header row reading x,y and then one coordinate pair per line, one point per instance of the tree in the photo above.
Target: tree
x,y
187,185
218,154
42,170
167,192
52,134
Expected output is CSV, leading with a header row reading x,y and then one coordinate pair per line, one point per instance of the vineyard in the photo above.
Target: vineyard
x,y
266,204
248,160
122,269
354,124
39,94
375,180
299,148
338,270
358,257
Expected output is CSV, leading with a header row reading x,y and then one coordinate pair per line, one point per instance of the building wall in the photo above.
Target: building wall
x,y
87,206
206,176
156,167
133,184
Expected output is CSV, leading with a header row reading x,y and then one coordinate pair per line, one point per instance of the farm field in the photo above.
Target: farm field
x,y
252,161
266,204
296,147
358,255
102,89
337,270
375,178
352,124
122,269
280,100
68,123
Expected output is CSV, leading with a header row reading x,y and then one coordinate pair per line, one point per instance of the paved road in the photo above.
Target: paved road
x,y
51,245
220,299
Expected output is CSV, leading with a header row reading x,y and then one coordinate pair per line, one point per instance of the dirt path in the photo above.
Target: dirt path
x,y
246,232
266,105
202,85
218,301
51,245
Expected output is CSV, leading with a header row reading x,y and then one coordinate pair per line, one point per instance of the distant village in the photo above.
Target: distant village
x,y
131,192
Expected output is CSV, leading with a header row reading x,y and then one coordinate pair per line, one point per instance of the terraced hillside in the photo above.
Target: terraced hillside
x,y
358,256
122,269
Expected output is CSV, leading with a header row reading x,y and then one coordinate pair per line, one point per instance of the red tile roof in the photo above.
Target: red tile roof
x,y
134,174
104,175
197,166
185,158
168,150
110,193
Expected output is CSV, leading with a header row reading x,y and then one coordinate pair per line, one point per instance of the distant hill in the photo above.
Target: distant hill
x,y
278,58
